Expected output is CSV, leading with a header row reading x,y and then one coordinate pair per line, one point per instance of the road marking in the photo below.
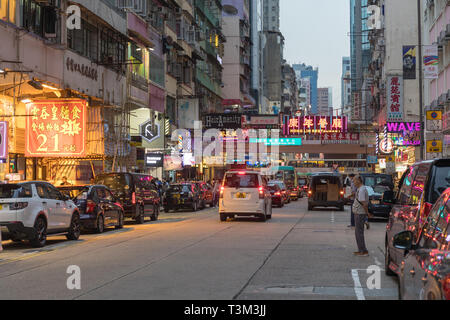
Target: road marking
x,y
358,289
377,262
332,217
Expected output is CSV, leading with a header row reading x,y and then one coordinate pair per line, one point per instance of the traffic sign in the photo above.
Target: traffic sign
x,y
434,120
434,146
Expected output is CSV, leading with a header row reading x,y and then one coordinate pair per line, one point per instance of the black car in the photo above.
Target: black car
x,y
326,190
99,209
182,196
419,188
137,194
377,207
425,272
277,196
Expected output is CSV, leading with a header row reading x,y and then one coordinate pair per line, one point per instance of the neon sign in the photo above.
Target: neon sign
x,y
314,125
395,127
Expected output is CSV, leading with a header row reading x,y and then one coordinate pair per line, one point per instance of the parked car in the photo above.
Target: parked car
x,y
425,272
33,210
182,196
419,188
137,194
99,209
206,194
277,197
284,190
326,190
244,193
377,207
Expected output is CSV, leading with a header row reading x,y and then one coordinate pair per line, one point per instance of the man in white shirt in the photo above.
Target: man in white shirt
x,y
361,211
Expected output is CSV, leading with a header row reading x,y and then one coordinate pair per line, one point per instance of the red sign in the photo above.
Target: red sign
x,y
56,128
293,126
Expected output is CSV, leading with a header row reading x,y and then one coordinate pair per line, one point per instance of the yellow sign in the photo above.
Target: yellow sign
x,y
434,115
434,146
390,159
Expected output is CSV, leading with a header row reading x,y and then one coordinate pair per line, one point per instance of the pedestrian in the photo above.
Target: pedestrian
x,y
352,197
361,213
65,182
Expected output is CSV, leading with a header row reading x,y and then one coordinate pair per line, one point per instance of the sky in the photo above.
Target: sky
x,y
316,32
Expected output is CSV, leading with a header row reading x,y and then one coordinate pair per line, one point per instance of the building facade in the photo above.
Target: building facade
x,y
303,71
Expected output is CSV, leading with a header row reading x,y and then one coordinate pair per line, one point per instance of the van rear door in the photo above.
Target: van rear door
x,y
242,189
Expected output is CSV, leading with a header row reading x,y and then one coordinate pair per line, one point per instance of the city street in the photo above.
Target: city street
x,y
185,255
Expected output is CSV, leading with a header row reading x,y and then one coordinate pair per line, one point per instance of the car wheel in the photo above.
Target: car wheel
x,y
75,228
223,217
141,218
100,224
387,262
121,221
154,216
40,238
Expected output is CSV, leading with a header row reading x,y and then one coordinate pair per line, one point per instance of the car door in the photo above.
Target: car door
x,y
419,263
49,205
63,210
397,218
103,204
113,210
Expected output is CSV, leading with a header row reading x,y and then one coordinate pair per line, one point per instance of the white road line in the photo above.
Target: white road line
x,y
358,289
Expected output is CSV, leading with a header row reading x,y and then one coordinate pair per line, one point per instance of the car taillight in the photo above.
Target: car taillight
x,y
342,192
446,287
309,193
90,206
261,192
221,192
133,198
18,205
278,193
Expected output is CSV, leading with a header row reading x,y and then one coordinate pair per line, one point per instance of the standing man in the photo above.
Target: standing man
x,y
360,209
352,196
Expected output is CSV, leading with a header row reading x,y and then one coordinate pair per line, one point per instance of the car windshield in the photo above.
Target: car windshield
x,y
236,180
74,192
180,188
375,180
302,182
118,183
441,181
15,191
81,194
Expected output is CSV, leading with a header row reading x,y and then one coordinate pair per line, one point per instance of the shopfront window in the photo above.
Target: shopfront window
x,y
8,10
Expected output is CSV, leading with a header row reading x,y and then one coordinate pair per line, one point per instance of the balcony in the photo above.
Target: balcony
x,y
207,12
210,49
205,80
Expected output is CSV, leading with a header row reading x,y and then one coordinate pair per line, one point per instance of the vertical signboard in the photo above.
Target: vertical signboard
x,y
409,62
56,128
395,98
3,139
431,62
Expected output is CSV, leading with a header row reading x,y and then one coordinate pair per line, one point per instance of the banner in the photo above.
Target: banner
x,y
430,62
188,113
395,98
56,128
409,62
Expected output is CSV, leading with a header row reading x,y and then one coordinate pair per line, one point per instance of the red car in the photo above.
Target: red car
x,y
206,194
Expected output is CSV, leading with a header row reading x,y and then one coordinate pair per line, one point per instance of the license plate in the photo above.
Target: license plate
x,y
375,201
241,195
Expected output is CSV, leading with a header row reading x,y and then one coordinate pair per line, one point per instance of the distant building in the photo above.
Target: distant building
x,y
272,15
346,87
303,71
325,101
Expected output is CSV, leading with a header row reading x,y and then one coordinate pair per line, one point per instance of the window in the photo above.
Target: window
x,y
42,191
405,191
236,180
13,191
435,231
419,184
8,10
84,41
157,73
441,181
53,193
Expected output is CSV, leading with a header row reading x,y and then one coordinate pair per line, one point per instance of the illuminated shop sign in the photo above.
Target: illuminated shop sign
x,y
400,127
3,139
154,160
278,142
56,128
314,125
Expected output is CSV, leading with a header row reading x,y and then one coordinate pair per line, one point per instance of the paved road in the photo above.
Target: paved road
x,y
296,255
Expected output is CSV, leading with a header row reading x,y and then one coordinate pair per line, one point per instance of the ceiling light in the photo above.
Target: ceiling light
x,y
26,100
49,87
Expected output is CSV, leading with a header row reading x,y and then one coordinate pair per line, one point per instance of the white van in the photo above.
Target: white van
x,y
244,193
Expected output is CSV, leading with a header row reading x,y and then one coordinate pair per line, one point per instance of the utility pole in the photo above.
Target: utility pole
x,y
419,31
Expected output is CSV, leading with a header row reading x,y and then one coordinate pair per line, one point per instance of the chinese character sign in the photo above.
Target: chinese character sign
x,y
293,126
56,128
395,98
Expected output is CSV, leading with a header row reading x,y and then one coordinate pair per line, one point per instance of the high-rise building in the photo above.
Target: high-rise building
x,y
325,101
236,61
272,15
346,87
257,56
303,71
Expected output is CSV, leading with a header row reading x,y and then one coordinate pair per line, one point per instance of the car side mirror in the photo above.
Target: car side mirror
x,y
403,240
389,197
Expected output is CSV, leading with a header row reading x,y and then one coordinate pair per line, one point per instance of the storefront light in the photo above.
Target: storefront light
x,y
49,87
26,100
